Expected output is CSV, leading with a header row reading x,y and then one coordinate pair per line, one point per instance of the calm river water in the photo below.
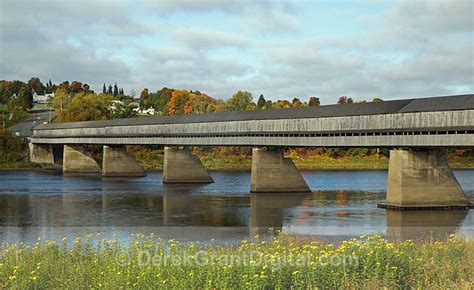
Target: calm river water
x,y
343,204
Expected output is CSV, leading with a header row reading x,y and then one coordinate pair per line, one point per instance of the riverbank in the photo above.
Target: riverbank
x,y
314,163
281,262
155,162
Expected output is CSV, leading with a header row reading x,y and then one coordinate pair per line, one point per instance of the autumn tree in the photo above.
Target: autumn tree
x,y
377,100
240,101
313,102
281,104
144,95
218,105
61,98
75,87
345,100
159,101
86,107
199,104
178,101
296,103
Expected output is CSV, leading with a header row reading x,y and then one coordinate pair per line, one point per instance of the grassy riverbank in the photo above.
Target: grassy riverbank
x,y
282,262
13,152
153,159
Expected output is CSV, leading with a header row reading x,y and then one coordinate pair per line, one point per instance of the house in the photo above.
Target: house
x,y
41,99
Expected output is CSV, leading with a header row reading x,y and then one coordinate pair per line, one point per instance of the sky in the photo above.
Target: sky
x,y
281,48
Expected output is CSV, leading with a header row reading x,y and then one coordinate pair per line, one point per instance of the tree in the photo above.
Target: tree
x,y
268,104
281,104
36,85
61,98
178,100
377,100
159,101
199,104
144,95
104,89
14,108
313,102
86,88
50,87
116,92
86,107
109,91
296,103
75,87
25,98
345,100
261,102
240,101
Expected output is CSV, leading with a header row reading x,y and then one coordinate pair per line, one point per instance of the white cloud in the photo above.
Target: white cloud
x,y
199,37
412,49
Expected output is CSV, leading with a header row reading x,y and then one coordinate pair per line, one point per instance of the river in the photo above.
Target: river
x,y
343,205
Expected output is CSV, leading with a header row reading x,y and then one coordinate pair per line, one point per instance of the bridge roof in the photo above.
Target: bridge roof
x,y
445,103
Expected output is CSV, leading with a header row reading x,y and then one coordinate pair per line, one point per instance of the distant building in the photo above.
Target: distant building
x,y
41,99
148,111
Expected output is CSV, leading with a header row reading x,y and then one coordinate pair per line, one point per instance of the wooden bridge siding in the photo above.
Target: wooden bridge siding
x,y
461,140
405,121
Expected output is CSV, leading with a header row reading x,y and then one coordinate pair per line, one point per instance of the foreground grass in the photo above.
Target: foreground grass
x,y
281,262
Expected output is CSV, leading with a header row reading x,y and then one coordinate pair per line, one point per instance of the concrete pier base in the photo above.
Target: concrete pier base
x,y
180,166
40,153
76,159
273,173
117,162
422,179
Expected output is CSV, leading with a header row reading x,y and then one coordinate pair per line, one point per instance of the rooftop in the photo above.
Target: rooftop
x,y
444,103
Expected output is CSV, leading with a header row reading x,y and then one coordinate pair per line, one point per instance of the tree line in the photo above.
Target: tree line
x,y
75,101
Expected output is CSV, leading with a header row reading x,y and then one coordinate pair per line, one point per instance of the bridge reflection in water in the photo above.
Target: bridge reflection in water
x,y
196,212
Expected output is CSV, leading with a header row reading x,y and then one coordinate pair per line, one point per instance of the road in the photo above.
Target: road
x,y
40,114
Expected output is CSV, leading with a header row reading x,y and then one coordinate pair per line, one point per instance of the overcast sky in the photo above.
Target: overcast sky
x,y
281,49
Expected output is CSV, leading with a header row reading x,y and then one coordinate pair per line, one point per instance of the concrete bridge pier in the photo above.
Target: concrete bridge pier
x,y
76,159
271,172
422,179
180,166
117,162
41,153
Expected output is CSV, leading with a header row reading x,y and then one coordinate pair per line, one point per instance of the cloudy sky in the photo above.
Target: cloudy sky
x,y
282,49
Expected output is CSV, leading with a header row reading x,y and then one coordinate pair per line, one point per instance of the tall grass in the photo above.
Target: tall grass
x,y
280,262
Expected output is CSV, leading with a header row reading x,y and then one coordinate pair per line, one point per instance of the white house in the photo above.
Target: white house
x,y
41,99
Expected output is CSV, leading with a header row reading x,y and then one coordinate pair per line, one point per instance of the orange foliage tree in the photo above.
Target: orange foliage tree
x,y
178,101
199,104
